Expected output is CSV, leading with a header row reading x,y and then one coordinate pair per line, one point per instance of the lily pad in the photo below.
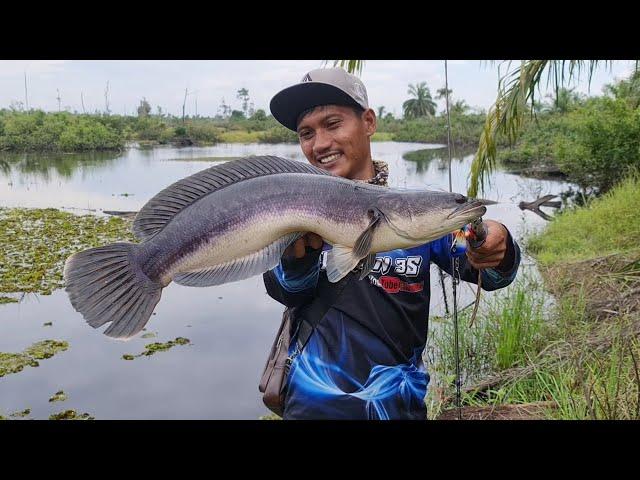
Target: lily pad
x,y
36,243
70,415
21,414
153,348
59,396
15,362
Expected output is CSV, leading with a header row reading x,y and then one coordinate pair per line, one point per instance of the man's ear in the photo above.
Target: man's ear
x,y
370,122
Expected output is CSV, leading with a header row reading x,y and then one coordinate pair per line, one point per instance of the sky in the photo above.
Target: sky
x,y
163,83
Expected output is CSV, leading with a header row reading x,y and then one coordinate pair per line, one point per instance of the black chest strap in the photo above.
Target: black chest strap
x,y
310,315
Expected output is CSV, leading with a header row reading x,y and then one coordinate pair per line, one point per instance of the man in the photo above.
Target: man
x,y
357,347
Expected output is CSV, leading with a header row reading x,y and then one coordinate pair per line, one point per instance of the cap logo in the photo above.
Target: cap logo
x,y
358,92
307,78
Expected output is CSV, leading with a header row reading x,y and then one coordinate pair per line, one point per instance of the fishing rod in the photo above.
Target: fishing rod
x,y
455,272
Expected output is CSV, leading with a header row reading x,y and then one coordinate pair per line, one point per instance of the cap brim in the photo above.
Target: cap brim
x,y
289,103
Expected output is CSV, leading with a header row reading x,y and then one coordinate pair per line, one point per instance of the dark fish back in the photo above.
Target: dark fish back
x,y
159,211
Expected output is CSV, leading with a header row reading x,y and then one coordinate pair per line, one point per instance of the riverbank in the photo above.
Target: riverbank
x,y
573,358
38,131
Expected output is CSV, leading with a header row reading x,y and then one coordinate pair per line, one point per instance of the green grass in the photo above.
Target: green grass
x,y
240,136
507,332
382,137
609,224
586,362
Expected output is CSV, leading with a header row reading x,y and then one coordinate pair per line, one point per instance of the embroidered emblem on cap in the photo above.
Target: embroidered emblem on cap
x,y
307,78
359,92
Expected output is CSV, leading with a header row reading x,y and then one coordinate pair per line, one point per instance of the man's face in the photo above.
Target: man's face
x,y
336,139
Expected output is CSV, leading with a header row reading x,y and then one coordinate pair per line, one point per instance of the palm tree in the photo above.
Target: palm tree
x,y
516,98
422,105
441,93
352,66
460,107
380,112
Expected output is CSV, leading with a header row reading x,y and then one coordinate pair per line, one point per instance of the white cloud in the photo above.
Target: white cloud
x,y
9,68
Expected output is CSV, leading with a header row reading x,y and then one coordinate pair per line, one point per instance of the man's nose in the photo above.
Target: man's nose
x,y
322,142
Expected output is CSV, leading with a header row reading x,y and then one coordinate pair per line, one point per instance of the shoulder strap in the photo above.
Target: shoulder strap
x,y
311,316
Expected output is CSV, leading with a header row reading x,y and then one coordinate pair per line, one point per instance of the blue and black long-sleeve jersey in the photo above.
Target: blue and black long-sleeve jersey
x,y
364,358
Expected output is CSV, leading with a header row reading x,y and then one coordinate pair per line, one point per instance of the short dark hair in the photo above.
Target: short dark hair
x,y
357,109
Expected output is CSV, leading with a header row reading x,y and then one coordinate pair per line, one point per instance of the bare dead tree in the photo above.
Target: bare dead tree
x,y
184,102
58,98
26,95
82,101
106,98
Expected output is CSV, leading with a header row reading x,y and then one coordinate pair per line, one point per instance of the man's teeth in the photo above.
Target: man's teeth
x,y
330,158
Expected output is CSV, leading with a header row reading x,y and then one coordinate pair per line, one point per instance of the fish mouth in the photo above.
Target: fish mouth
x,y
475,207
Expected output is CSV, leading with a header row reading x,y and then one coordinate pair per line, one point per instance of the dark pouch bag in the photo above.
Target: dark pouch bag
x,y
274,377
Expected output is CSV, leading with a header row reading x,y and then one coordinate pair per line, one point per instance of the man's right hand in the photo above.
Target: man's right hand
x,y
298,248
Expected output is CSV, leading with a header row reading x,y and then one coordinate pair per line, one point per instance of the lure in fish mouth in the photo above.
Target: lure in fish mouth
x,y
234,220
474,207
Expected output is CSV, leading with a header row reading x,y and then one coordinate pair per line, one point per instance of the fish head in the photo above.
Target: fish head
x,y
424,215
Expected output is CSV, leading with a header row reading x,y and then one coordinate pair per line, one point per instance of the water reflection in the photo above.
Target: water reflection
x,y
217,376
42,166
423,158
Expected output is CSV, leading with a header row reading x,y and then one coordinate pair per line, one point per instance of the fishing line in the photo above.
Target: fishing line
x,y
454,260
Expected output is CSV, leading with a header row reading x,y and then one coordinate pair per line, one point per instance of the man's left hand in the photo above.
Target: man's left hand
x,y
491,253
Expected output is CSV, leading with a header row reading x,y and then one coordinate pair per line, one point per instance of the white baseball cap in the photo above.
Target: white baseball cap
x,y
323,86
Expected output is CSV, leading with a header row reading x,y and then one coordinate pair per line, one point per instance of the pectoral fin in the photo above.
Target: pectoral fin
x,y
363,243
367,265
341,260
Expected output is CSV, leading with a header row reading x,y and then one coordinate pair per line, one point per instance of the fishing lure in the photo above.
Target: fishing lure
x,y
472,234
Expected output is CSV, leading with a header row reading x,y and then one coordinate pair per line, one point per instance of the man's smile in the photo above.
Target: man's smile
x,y
329,159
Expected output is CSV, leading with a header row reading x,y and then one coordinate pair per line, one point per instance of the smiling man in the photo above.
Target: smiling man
x,y
357,347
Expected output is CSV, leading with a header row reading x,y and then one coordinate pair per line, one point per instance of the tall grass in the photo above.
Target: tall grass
x,y
508,331
609,224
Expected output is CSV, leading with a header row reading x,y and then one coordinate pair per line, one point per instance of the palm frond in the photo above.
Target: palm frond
x,y
516,96
351,66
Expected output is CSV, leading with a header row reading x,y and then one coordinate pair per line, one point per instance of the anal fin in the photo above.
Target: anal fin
x,y
240,268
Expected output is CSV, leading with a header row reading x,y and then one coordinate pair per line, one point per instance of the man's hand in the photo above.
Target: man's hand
x,y
491,253
297,249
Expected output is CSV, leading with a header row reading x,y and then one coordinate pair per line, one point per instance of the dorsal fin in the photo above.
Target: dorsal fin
x,y
160,209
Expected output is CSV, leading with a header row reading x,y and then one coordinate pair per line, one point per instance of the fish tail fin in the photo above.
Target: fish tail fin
x,y
106,284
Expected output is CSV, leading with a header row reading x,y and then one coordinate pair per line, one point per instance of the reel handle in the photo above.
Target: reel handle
x,y
479,230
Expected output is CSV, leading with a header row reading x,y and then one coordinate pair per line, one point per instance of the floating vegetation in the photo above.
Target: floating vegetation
x,y
153,348
70,415
148,335
59,396
37,242
48,324
270,416
15,362
4,299
21,414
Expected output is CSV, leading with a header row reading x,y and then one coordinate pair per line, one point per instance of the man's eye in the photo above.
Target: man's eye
x,y
334,124
304,135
